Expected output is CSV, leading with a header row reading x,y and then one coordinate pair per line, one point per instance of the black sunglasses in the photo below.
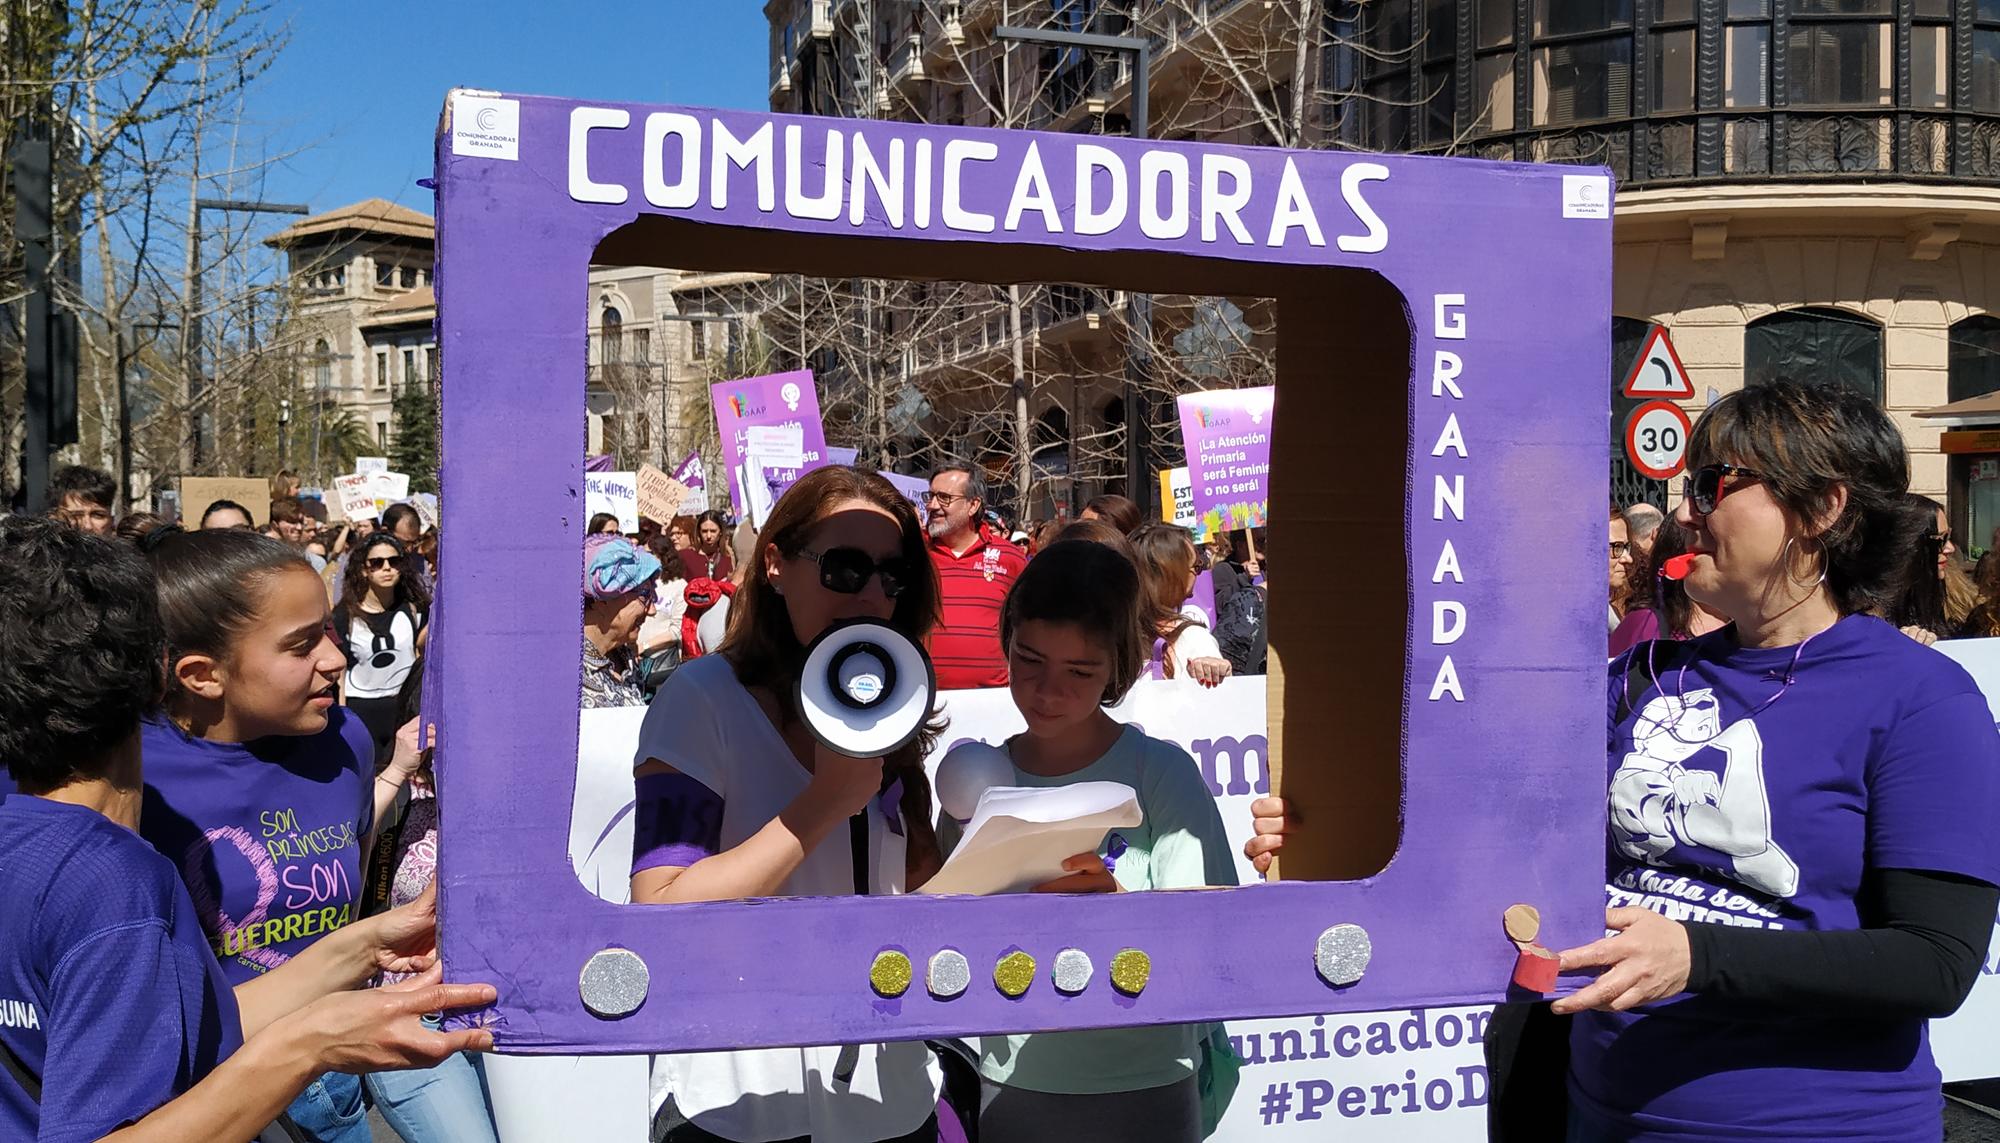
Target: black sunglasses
x,y
377,563
847,571
1703,489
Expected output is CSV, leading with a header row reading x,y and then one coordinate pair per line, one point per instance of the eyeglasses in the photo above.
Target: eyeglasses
x,y
377,563
943,499
1620,547
848,570
1703,489
1937,539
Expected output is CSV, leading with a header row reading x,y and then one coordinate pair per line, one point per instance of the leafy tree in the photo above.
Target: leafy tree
x,y
413,435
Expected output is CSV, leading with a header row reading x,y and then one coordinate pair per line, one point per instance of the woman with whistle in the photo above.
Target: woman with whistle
x,y
1802,867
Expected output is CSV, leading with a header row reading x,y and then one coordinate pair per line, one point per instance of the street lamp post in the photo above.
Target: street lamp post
x,y
1138,306
195,382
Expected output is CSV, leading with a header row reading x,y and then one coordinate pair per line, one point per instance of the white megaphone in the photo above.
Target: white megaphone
x,y
967,771
866,689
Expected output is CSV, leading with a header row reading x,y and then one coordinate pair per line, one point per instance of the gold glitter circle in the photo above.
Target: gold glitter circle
x,y
1130,970
1014,973
891,973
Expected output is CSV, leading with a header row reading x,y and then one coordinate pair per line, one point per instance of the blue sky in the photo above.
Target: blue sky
x,y
358,91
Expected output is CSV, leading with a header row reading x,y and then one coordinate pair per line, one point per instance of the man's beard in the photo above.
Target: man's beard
x,y
939,527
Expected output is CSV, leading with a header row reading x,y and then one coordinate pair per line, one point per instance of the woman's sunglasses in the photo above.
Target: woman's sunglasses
x,y
847,571
1703,489
377,563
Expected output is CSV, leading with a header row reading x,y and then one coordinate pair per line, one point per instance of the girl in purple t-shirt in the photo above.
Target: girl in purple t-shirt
x,y
1801,864
260,787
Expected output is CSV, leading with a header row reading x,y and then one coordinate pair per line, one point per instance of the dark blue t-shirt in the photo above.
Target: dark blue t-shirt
x,y
108,993
1730,806
267,835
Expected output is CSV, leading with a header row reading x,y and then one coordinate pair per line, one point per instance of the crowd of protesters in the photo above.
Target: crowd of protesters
x,y
179,683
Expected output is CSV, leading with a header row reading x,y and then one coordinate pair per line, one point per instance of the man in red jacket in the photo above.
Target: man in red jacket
x,y
975,570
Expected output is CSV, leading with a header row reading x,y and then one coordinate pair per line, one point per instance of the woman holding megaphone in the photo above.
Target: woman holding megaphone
x,y
737,798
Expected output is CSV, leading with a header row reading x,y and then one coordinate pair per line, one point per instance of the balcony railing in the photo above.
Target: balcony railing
x,y
1792,145
907,66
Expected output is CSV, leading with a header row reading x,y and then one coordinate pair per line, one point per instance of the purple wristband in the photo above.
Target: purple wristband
x,y
677,822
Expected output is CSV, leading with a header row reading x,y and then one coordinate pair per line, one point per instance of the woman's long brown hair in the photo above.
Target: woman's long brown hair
x,y
1163,553
762,648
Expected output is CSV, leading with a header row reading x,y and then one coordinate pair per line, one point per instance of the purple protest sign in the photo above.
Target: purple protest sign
x,y
837,455
912,488
690,474
774,399
1228,435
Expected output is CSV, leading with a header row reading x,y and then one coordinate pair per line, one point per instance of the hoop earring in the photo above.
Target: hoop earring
x,y
1825,565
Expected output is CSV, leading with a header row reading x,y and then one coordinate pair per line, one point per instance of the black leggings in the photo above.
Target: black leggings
x,y
379,716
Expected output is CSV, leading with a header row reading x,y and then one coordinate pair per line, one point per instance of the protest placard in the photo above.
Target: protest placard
x,y
1177,501
912,488
778,399
660,495
355,493
695,479
369,464
251,492
389,488
613,492
1228,435
426,504
837,455
780,446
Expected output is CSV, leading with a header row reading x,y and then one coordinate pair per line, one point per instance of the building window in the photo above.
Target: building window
x,y
642,344
610,324
1930,66
1673,70
1496,93
322,365
430,364
697,340
385,274
1582,82
1986,68
409,277
1845,63
1496,23
1572,17
1746,74
1386,39
1975,357
409,368
381,369
1815,345
382,435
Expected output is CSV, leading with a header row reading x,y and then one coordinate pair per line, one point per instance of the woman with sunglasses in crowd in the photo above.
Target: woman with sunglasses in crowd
x,y
383,620
1820,790
737,799
1924,608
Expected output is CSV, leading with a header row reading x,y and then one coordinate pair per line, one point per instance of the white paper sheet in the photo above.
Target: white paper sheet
x,y
1019,836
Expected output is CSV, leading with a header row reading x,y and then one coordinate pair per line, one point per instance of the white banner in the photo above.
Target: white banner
x,y
613,492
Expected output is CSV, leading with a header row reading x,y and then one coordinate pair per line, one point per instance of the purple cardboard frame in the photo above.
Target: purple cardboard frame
x,y
1505,274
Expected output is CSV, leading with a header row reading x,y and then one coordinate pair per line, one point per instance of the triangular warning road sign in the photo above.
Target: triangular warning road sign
x,y
1657,371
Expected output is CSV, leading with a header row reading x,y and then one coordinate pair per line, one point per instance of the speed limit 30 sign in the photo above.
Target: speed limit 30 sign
x,y
1656,436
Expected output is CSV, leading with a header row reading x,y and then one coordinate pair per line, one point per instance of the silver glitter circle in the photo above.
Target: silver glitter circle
x,y
1071,972
614,983
1342,954
949,974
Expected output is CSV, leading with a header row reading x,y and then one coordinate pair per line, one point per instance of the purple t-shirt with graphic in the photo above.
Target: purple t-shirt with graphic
x,y
266,834
108,994
1730,806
